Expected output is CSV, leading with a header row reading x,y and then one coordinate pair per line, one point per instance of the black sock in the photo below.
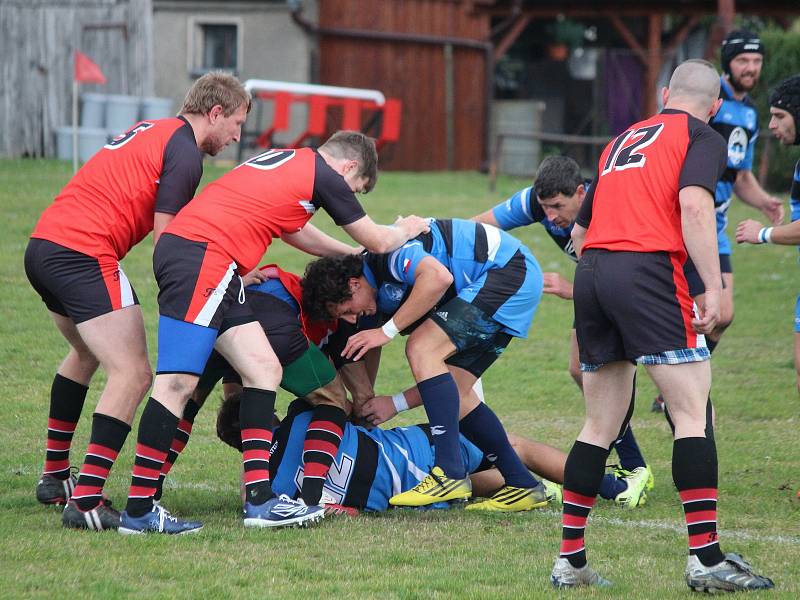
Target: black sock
x,y
108,436
321,444
255,418
156,430
66,404
694,471
179,442
441,401
583,473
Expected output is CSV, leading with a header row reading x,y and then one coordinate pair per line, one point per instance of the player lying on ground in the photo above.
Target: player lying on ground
x,y
494,288
554,200
373,465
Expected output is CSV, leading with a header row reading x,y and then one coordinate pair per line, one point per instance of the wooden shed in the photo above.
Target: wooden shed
x,y
435,55
37,43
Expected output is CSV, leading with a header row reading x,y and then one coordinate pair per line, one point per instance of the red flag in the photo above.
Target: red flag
x,y
86,71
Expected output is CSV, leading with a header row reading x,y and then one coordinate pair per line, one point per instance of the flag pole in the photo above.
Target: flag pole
x,y
74,126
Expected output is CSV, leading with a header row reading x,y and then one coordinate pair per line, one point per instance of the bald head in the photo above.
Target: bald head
x,y
694,87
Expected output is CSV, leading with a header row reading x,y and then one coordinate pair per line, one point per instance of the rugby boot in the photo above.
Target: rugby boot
x,y
333,509
514,499
621,473
555,492
100,518
435,487
636,492
734,574
282,511
158,520
564,575
51,490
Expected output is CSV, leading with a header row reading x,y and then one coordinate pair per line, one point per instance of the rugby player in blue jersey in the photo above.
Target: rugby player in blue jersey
x,y
554,201
466,289
741,58
784,107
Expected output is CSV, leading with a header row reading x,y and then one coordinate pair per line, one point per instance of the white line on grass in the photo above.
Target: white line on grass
x,y
738,534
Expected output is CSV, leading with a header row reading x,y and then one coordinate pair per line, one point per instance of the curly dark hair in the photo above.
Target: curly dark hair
x,y
557,175
326,282
228,427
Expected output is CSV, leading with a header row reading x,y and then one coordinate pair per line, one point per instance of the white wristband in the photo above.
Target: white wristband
x,y
765,235
390,329
400,403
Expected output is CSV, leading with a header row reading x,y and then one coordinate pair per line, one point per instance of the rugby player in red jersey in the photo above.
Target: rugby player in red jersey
x,y
197,263
651,204
135,184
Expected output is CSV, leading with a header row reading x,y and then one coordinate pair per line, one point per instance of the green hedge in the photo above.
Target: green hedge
x,y
782,61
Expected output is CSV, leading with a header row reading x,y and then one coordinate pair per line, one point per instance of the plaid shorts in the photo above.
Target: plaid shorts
x,y
671,357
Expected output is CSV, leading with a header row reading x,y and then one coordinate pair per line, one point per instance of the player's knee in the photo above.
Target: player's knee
x,y
262,370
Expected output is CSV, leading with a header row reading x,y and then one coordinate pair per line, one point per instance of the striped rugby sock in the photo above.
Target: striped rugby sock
x,y
255,418
694,471
156,431
582,475
321,444
108,436
179,442
66,403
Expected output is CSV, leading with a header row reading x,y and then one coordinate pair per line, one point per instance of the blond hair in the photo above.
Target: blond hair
x,y
214,89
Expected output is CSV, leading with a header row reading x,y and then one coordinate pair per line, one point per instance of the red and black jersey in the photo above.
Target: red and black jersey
x,y
271,194
108,206
315,331
633,204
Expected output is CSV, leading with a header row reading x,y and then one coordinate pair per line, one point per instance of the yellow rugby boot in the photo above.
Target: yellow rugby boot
x,y
436,487
514,499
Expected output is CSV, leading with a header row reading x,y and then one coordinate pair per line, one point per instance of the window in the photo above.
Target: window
x,y
215,44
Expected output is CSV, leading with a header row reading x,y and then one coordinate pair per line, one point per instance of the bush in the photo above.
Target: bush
x,y
782,61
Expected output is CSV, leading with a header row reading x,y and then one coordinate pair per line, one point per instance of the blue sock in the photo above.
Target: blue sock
x,y
610,486
484,429
440,398
630,457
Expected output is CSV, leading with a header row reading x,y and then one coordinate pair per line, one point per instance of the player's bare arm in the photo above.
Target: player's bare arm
x,y
382,238
486,217
578,237
558,286
431,281
160,222
749,190
316,242
698,223
751,231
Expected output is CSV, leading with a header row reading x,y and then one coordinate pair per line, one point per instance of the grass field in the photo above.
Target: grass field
x,y
441,554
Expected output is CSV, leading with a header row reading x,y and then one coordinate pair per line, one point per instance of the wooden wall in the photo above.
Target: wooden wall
x,y
36,46
415,73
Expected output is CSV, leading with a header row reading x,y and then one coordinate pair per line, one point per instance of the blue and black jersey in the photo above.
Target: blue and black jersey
x,y
475,254
371,466
523,208
737,122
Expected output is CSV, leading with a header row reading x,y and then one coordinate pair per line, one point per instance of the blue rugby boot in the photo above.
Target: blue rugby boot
x,y
282,511
158,520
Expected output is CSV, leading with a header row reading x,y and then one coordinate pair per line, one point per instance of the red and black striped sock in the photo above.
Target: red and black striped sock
x,y
694,471
156,430
255,419
322,441
583,473
178,443
66,404
108,436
